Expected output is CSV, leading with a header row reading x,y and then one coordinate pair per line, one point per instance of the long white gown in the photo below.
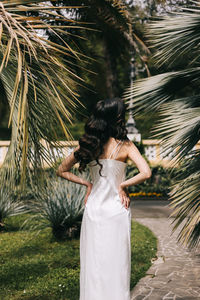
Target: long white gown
x,y
105,237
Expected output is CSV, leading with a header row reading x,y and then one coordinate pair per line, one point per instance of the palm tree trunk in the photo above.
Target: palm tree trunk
x,y
110,72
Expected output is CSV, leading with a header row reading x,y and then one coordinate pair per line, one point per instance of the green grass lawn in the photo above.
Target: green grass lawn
x,y
36,266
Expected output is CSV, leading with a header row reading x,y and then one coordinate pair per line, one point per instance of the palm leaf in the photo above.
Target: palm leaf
x,y
175,36
175,96
150,93
186,202
179,129
40,87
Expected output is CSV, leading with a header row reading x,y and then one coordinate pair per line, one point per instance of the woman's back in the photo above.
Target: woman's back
x,y
113,171
114,149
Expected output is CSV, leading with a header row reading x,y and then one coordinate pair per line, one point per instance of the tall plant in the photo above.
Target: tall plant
x,y
114,36
175,95
38,83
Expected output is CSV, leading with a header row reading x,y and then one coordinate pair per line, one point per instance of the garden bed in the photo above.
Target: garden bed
x,y
146,198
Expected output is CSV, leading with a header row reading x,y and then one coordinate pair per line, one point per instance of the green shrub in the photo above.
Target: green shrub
x,y
59,205
160,181
8,206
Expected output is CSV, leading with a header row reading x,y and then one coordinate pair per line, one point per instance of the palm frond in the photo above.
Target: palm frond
x,y
175,96
179,130
175,36
150,93
186,202
40,87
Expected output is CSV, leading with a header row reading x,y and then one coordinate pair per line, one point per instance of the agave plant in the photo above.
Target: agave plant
x,y
59,205
175,96
9,207
38,81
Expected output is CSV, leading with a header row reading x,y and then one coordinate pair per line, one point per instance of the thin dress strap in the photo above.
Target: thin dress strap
x,y
114,149
118,150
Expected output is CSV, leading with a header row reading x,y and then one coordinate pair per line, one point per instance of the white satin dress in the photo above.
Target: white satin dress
x,y
105,237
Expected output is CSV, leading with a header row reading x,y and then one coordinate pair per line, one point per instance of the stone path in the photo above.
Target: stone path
x,y
175,274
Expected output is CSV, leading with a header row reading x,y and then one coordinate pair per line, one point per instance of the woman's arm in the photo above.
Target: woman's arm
x,y
66,165
144,170
144,173
63,171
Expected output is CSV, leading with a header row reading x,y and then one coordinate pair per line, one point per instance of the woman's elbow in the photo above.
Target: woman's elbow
x,y
58,173
148,174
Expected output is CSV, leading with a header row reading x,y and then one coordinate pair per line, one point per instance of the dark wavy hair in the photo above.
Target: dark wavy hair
x,y
107,120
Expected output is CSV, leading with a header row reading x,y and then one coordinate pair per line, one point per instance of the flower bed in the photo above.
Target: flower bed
x,y
147,196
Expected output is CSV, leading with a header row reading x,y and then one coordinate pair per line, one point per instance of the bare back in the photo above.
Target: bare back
x,y
115,149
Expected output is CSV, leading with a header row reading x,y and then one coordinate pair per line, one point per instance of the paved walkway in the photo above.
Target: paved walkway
x,y
175,274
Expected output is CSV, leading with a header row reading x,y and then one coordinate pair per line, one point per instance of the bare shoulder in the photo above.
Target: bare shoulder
x,y
71,155
130,147
132,150
76,148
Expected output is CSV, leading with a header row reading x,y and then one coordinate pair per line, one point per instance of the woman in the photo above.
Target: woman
x,y
105,252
